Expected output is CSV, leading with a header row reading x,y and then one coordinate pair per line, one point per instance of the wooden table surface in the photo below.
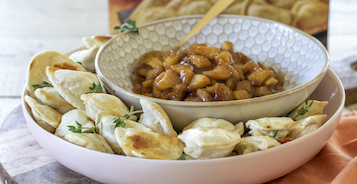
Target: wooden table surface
x,y
28,27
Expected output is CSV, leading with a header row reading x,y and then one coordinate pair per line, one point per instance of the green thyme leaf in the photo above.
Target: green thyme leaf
x,y
80,63
79,128
44,84
182,158
119,122
275,134
74,129
94,88
94,71
303,109
128,26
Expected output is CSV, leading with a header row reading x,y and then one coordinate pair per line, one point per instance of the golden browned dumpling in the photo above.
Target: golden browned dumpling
x,y
98,40
155,117
194,7
106,128
91,141
50,96
44,115
310,16
255,143
104,103
71,84
270,12
307,125
71,118
287,4
86,57
313,107
281,126
144,6
238,7
37,69
155,13
143,144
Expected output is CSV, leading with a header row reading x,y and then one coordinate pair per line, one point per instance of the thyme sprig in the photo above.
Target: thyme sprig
x,y
128,25
119,121
42,85
303,109
79,128
275,134
94,88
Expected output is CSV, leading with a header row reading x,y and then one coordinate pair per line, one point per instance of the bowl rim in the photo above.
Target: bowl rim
x,y
214,103
26,110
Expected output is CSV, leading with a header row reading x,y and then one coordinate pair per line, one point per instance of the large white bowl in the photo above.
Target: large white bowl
x,y
302,58
255,167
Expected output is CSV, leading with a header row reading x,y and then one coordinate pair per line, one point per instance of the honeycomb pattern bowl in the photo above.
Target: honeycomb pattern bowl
x,y
302,59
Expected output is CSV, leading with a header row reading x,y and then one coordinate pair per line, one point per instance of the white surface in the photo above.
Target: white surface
x,y
28,27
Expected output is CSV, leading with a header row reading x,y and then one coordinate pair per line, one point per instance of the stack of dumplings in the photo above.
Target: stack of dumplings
x,y
309,16
71,105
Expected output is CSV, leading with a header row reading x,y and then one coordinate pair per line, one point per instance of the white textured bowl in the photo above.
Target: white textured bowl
x,y
302,58
255,167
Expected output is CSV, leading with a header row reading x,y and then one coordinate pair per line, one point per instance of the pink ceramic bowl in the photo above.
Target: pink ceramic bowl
x,y
257,167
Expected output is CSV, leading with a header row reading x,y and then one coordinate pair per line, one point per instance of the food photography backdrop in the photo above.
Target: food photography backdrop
x,y
28,27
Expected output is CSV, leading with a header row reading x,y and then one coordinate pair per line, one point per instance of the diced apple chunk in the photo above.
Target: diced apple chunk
x,y
241,94
200,61
220,72
199,81
167,80
258,77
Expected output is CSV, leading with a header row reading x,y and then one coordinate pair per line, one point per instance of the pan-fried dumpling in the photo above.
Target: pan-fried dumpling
x,y
144,6
36,72
44,115
70,119
210,122
286,4
219,123
50,96
71,84
155,13
91,141
238,7
269,126
91,41
310,16
270,12
104,103
307,125
255,143
143,144
209,142
239,128
86,57
155,117
106,128
313,107
194,7
255,133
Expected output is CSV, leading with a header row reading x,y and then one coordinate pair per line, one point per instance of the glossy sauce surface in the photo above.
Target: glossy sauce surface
x,y
202,73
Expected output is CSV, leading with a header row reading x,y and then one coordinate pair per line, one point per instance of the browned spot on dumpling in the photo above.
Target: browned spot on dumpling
x,y
66,66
